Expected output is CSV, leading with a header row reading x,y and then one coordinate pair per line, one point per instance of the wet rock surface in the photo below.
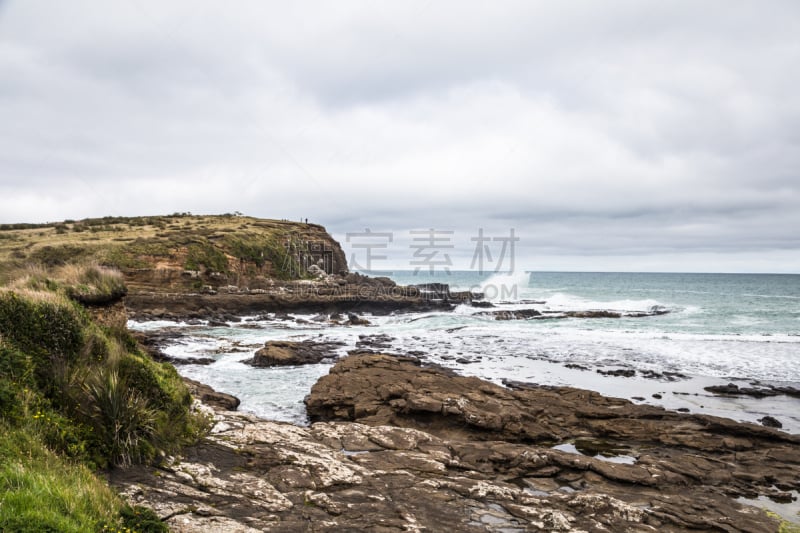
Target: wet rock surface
x,y
519,314
380,341
155,342
771,421
756,390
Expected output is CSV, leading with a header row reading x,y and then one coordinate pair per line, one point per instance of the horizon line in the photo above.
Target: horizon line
x,y
422,272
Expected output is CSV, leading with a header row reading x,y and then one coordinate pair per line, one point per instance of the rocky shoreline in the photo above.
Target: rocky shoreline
x,y
332,294
398,446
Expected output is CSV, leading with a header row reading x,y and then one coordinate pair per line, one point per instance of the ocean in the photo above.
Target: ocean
x,y
717,329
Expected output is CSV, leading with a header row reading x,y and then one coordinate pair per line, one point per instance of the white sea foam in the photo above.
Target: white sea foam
x,y
506,286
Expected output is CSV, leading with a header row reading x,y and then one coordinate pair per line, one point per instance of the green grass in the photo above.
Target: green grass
x,y
76,396
42,491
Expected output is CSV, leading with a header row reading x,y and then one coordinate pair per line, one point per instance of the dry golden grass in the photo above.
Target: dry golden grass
x,y
38,296
73,274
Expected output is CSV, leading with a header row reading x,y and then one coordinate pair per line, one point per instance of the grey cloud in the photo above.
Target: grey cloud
x,y
604,129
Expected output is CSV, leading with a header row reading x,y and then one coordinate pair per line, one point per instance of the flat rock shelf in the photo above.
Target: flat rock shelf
x,y
397,446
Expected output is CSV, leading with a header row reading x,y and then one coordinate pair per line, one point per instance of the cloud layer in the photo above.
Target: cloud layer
x,y
611,135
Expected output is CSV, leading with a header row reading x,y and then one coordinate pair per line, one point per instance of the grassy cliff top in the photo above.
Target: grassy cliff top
x,y
222,244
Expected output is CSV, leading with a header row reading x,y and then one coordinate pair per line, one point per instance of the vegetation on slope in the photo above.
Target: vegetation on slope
x,y
231,244
75,396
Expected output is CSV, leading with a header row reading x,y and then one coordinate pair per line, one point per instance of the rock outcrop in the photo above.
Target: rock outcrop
x,y
421,449
287,353
757,390
253,475
353,293
672,455
209,396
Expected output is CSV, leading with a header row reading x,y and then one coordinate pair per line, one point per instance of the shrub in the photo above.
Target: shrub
x,y
64,435
122,257
167,394
10,404
73,395
122,418
45,326
205,255
262,249
51,256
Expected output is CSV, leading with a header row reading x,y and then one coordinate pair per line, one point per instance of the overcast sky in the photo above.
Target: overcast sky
x,y
609,135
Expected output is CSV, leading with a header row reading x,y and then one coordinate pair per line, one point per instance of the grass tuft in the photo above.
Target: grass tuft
x,y
92,284
40,491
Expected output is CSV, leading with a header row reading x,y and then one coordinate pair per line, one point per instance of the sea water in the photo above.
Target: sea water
x,y
718,328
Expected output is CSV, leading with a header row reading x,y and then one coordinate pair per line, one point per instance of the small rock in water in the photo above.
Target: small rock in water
x,y
657,396
637,398
683,409
770,422
378,342
355,320
575,366
619,372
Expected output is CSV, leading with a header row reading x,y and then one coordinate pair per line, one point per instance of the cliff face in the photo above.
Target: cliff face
x,y
179,253
248,257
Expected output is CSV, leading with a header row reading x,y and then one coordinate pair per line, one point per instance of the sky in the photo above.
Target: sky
x,y
629,135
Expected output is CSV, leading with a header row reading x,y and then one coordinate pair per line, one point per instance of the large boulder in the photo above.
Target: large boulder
x,y
291,353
